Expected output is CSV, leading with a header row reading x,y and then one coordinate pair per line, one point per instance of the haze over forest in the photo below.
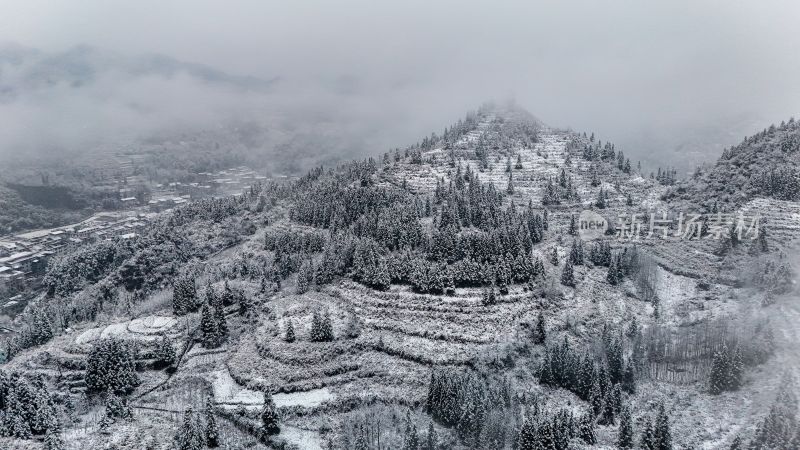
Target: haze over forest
x,y
671,84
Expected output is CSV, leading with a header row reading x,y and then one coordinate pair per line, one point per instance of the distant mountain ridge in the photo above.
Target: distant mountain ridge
x,y
766,164
24,69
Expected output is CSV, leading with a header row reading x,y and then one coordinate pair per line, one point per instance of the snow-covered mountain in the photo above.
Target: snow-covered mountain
x,y
446,295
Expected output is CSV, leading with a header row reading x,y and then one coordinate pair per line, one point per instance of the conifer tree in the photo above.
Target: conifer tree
x,y
596,397
576,253
573,226
540,335
586,429
221,320
353,327
551,194
600,202
489,296
656,302
648,441
538,269
431,440
304,277
208,326
614,358
111,367
779,429
629,379
625,434
190,435
361,439
613,273
117,407
43,417
554,256
228,298
269,416
212,432
720,367
14,423
316,325
662,437
611,405
246,305
165,352
411,441
184,295
726,370
53,440
321,327
41,327
289,337
528,435
567,275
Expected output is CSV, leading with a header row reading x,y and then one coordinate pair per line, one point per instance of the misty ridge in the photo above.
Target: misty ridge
x,y
329,83
66,105
76,104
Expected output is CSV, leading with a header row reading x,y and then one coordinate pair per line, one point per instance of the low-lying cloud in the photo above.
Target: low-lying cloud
x,y
669,82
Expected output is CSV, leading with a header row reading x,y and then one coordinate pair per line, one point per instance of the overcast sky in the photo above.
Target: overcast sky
x,y
646,74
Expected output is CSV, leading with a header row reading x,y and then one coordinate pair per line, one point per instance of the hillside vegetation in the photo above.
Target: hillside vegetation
x,y
440,296
762,165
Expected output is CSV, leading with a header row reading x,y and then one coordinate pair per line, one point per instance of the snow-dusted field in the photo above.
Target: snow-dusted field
x,y
144,328
307,399
303,439
227,391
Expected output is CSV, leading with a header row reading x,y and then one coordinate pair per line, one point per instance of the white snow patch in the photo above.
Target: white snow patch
x,y
117,329
144,328
307,399
227,390
151,324
89,335
303,439
228,393
674,290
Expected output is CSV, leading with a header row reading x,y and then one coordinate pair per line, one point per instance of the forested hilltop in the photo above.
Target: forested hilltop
x,y
444,295
762,165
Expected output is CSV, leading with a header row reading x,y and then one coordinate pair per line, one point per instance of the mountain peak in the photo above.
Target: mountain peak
x,y
509,111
